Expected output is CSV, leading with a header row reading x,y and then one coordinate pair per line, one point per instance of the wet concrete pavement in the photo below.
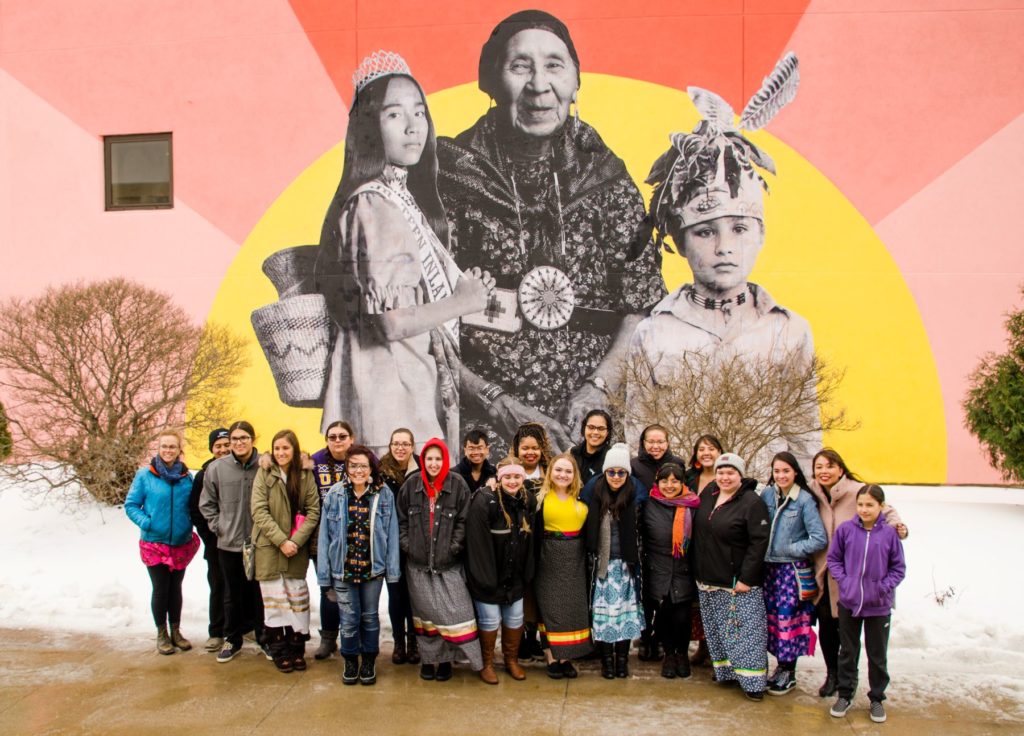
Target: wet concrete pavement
x,y
82,684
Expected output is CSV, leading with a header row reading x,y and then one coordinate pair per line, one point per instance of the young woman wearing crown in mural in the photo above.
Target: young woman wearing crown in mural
x,y
392,289
709,198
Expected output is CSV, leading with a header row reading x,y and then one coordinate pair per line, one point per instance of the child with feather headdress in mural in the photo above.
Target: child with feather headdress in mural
x,y
709,198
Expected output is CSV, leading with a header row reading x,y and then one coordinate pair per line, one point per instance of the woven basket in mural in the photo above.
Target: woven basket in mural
x,y
295,334
291,270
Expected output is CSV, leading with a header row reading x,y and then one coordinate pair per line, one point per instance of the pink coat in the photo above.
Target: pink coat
x,y
843,507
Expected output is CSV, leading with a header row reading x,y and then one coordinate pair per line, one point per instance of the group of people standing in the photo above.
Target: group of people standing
x,y
574,553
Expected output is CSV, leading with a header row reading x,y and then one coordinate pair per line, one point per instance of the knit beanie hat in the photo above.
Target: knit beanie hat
x,y
217,434
616,457
731,460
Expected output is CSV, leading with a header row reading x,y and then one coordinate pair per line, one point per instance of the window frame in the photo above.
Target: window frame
x,y
108,185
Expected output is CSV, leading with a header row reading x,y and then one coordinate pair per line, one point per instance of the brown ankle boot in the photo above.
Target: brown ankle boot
x,y
510,639
487,639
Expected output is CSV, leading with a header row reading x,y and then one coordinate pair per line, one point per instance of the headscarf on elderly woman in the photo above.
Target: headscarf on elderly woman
x,y
534,196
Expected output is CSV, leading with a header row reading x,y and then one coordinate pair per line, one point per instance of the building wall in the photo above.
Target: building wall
x,y
912,115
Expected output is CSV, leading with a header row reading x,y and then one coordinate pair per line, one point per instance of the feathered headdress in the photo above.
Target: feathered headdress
x,y
710,173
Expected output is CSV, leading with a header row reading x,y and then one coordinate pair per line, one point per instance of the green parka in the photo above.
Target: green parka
x,y
272,523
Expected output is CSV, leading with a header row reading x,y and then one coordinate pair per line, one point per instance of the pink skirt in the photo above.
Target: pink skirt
x,y
176,558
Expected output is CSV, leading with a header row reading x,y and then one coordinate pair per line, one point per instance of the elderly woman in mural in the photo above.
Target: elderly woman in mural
x,y
535,197
391,287
709,199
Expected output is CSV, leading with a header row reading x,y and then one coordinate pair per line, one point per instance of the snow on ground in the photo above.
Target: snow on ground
x,y
957,633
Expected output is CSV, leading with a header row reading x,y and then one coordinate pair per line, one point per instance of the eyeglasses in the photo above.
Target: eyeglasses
x,y
358,466
656,443
241,439
616,473
595,428
401,444
337,437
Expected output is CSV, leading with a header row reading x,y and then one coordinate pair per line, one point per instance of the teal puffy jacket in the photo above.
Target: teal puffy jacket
x,y
160,509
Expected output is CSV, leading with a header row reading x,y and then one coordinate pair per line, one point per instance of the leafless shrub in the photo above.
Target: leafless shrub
x,y
91,372
755,407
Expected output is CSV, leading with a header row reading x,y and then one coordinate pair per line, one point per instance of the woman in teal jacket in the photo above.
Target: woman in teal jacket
x,y
158,504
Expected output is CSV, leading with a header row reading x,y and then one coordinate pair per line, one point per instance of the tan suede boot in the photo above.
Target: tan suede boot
x,y
163,641
510,639
178,640
487,639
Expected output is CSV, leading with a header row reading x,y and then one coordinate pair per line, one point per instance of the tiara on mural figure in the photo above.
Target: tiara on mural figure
x,y
713,171
378,64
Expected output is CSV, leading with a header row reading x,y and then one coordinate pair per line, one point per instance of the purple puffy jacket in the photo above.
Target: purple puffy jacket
x,y
867,565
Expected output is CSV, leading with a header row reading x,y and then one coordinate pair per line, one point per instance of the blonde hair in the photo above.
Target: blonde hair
x,y
549,485
499,492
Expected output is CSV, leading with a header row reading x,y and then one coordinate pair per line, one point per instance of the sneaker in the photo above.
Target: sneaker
x,y
775,675
757,696
569,671
444,671
428,672
265,648
228,653
555,671
214,644
840,707
783,682
877,711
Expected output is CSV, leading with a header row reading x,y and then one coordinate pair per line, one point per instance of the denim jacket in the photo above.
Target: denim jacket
x,y
332,545
797,531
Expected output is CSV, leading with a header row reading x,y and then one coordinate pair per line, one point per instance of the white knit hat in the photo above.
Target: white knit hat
x,y
731,460
616,457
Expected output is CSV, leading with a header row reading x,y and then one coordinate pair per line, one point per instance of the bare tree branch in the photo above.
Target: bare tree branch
x,y
92,372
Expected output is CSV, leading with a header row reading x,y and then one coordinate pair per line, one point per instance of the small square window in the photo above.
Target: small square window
x,y
138,171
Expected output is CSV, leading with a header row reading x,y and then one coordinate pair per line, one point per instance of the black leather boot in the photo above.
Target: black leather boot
x,y
622,658
607,660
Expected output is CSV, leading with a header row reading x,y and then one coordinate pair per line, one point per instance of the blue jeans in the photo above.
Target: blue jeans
x,y
360,624
490,615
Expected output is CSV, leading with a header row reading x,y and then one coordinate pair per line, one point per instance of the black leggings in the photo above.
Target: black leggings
x,y
166,600
828,633
672,625
399,609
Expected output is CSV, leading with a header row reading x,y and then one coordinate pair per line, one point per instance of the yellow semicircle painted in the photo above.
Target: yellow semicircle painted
x,y
821,259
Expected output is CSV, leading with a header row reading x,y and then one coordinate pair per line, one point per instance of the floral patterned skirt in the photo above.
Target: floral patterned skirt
x,y
618,614
790,634
735,629
176,558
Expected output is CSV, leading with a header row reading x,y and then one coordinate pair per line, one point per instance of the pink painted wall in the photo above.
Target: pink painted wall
x,y
914,113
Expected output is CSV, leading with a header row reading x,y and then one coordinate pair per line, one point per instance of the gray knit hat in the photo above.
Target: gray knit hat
x,y
616,457
731,460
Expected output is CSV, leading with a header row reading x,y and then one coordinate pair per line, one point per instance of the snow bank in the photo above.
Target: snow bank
x,y
958,630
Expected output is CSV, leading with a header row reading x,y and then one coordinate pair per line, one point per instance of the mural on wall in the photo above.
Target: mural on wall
x,y
506,274
869,236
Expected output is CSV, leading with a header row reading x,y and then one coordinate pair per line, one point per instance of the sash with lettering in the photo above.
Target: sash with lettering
x,y
439,274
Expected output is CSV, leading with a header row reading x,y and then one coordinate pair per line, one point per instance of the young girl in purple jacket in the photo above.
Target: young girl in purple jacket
x,y
866,560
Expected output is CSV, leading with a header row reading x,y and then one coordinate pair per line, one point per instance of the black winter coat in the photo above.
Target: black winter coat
x,y
730,542
665,576
629,537
646,467
499,559
589,464
439,548
465,469
198,520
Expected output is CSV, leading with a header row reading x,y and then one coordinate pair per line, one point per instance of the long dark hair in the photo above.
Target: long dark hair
x,y
836,459
615,501
293,476
790,460
365,161
709,439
